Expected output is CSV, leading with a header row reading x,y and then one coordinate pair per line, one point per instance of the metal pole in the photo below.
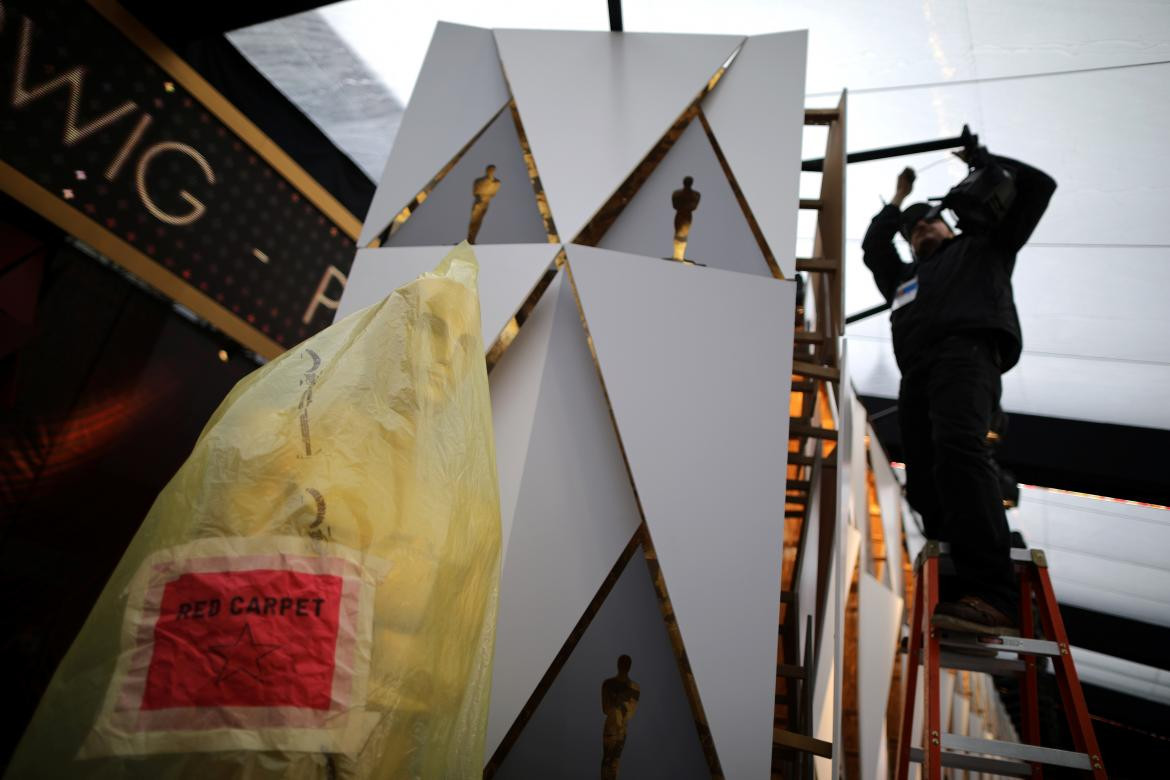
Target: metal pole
x,y
889,151
615,15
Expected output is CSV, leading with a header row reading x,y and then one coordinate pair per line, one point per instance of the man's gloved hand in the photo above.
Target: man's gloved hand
x,y
905,184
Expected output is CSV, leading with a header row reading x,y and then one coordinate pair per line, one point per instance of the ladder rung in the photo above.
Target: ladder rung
x,y
1010,644
812,369
818,747
820,116
793,513
977,663
804,387
799,428
1017,751
811,204
787,597
799,459
1018,554
799,484
792,672
808,337
992,766
822,264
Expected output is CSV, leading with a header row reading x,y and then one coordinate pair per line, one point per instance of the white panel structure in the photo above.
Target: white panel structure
x,y
563,738
575,513
691,359
889,494
511,216
507,274
757,116
826,707
720,236
459,90
593,104
515,388
879,615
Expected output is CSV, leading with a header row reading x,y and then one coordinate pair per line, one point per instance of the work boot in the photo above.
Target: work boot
x,y
973,615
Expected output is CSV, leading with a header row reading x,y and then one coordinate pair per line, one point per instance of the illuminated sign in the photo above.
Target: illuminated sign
x,y
154,168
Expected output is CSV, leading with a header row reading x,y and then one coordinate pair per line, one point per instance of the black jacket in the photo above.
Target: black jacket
x,y
965,286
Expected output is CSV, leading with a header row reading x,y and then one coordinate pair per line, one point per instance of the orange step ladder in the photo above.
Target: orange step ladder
x,y
936,648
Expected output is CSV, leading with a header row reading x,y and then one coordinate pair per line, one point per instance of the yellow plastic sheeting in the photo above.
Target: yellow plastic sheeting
x,y
314,593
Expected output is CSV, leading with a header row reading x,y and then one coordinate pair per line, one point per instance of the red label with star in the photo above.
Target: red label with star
x,y
247,638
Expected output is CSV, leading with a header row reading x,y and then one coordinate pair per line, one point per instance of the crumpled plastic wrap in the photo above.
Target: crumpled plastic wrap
x,y
314,593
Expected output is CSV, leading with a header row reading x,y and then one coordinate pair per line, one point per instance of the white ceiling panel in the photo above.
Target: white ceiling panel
x,y
1070,301
1042,36
1075,388
851,43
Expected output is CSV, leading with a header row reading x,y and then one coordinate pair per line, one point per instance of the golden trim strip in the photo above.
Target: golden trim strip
x,y
534,176
562,657
68,219
217,104
664,604
769,258
512,328
383,235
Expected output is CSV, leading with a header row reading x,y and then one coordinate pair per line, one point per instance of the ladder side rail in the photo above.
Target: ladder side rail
x,y
1029,683
1071,694
905,736
932,727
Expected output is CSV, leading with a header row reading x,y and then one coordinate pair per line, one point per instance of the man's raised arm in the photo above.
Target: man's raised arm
x,y
1034,189
878,246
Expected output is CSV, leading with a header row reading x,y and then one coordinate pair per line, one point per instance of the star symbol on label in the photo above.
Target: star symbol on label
x,y
243,655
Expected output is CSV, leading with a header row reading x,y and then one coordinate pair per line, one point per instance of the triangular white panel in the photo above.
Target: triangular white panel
x,y
889,494
593,104
575,513
515,387
720,236
507,274
757,115
692,359
826,707
511,216
879,613
563,737
459,89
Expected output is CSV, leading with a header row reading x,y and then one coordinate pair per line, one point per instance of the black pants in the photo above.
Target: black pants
x,y
945,408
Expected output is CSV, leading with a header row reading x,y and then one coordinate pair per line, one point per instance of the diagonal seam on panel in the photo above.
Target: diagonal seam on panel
x,y
512,328
676,641
739,196
534,176
562,657
404,214
604,217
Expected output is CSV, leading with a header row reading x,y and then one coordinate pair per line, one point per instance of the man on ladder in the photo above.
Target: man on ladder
x,y
955,331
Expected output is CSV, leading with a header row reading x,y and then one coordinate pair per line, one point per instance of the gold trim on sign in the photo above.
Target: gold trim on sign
x,y
605,216
512,329
769,258
217,104
85,229
534,176
664,604
404,214
562,657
